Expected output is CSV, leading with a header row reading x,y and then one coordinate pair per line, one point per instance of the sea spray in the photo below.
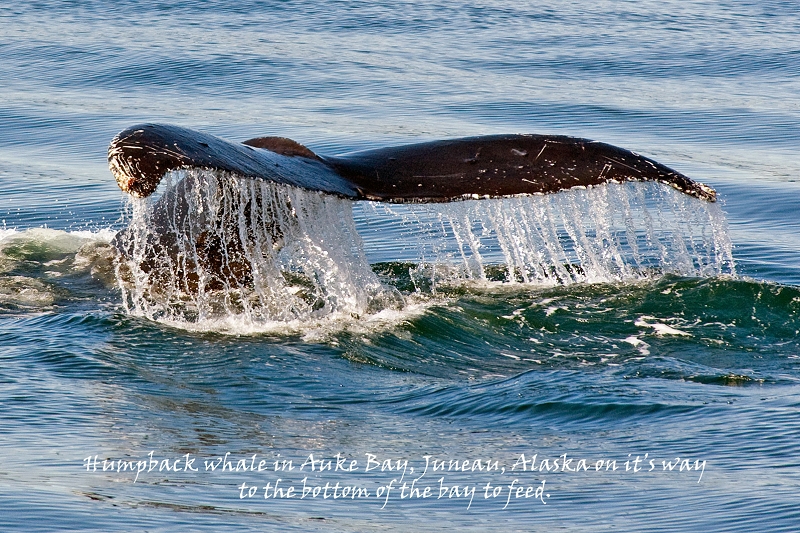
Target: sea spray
x,y
249,251
217,247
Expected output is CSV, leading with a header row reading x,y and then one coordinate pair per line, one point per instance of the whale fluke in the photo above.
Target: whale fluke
x,y
492,166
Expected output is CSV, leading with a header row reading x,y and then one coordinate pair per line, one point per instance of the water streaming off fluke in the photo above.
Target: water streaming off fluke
x,y
610,233
217,249
216,246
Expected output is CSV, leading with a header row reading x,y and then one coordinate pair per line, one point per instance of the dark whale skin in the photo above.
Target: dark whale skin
x,y
493,166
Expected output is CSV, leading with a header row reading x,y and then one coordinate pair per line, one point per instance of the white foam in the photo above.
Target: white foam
x,y
57,240
5,233
659,327
104,235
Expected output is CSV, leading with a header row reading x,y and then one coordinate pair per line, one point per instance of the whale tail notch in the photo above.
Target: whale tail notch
x,y
493,166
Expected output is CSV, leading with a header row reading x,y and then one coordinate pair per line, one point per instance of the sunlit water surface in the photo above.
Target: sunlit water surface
x,y
603,324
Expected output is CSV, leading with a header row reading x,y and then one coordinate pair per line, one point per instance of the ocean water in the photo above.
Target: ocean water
x,y
622,358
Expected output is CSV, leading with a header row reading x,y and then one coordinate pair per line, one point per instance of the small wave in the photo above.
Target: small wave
x,y
51,240
737,332
514,409
545,395
33,260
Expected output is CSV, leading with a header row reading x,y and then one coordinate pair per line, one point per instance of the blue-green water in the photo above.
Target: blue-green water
x,y
696,363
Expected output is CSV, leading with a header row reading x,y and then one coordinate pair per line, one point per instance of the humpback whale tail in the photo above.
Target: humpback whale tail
x,y
493,166
265,229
